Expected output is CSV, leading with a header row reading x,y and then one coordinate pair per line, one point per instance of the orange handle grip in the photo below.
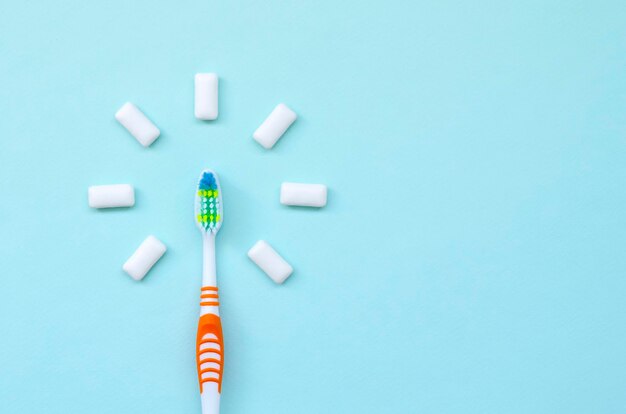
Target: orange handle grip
x,y
210,343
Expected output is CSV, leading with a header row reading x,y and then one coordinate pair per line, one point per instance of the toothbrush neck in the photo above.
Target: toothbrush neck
x,y
208,253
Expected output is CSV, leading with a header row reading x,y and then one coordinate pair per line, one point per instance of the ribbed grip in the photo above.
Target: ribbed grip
x,y
210,349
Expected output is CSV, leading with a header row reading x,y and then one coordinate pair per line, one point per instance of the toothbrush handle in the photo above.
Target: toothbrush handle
x,y
210,351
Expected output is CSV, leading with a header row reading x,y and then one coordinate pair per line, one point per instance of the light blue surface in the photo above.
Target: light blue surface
x,y
471,258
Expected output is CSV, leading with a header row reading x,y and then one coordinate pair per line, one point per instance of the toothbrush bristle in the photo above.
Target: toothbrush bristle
x,y
209,202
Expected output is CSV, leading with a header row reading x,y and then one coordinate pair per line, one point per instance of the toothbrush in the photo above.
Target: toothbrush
x,y
209,341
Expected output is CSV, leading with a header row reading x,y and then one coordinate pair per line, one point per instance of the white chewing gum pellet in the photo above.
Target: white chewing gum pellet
x,y
205,106
306,195
146,255
270,262
274,126
137,124
107,196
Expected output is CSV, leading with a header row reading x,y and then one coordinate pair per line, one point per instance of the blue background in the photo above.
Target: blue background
x,y
471,256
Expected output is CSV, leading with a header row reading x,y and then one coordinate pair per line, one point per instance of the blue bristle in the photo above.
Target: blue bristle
x,y
207,182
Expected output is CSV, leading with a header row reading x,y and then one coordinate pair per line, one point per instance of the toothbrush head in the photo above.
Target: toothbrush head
x,y
209,203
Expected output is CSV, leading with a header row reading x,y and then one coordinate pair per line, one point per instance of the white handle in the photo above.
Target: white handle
x,y
208,260
210,399
209,332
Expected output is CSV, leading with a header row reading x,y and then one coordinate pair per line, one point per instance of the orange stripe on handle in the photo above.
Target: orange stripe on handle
x,y
214,370
210,324
209,304
207,360
210,296
211,379
209,341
